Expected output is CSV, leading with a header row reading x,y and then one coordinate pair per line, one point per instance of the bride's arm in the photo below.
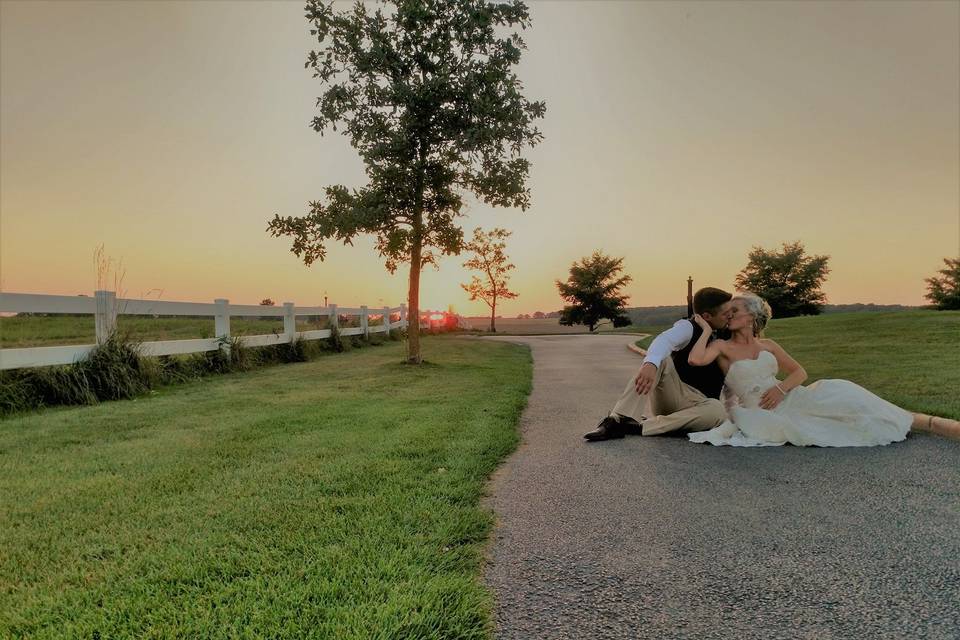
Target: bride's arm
x,y
702,353
796,375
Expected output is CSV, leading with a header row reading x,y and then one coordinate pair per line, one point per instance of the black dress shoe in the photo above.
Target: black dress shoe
x,y
630,426
608,429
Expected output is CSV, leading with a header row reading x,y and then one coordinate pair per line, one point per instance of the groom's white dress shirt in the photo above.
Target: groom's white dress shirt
x,y
673,339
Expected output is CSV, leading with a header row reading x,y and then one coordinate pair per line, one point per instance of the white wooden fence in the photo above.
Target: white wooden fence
x,y
105,306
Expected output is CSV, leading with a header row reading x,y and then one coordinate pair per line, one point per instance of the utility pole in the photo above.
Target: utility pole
x,y
689,296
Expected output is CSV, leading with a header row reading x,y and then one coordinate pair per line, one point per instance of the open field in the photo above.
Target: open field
x,y
337,498
911,358
35,331
522,326
543,326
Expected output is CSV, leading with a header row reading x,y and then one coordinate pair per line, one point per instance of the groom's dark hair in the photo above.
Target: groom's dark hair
x,y
709,300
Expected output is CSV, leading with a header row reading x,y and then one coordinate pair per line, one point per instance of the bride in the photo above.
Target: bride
x,y
766,412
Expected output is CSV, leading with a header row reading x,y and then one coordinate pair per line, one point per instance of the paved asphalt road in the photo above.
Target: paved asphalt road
x,y
662,538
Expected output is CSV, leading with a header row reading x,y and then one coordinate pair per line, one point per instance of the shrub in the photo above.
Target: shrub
x,y
241,357
116,369
173,369
334,342
217,361
16,392
296,351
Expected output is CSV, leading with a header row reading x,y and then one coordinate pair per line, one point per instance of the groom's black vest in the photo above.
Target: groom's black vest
x,y
708,379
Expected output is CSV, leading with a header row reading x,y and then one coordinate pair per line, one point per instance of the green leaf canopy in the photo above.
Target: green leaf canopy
x,y
426,93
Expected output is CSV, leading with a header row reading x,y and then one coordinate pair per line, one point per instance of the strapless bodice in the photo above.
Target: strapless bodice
x,y
750,379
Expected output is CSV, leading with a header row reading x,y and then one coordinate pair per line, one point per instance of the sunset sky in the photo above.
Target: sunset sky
x,y
677,135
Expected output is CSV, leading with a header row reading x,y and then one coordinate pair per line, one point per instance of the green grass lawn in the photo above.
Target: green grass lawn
x,y
911,358
651,331
338,498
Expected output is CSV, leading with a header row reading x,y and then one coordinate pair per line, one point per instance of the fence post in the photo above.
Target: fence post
x,y
289,322
334,322
364,321
386,322
403,315
106,315
221,324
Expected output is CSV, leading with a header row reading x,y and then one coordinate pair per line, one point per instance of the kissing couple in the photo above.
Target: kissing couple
x,y
720,352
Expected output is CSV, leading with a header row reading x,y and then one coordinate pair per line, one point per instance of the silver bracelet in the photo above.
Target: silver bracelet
x,y
781,389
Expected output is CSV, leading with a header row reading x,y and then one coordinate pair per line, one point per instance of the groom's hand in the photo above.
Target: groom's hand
x,y
646,378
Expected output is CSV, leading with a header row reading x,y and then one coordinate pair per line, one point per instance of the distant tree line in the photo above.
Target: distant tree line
x,y
662,316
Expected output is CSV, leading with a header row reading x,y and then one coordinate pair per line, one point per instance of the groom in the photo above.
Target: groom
x,y
681,396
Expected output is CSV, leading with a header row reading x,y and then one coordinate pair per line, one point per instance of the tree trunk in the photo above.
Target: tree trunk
x,y
416,255
493,316
413,294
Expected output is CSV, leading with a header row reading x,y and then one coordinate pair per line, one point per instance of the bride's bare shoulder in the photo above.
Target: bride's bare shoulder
x,y
771,346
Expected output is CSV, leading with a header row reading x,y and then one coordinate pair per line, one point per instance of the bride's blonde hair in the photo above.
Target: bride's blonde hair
x,y
758,308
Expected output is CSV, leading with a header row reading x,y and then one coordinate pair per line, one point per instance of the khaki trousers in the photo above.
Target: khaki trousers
x,y
672,404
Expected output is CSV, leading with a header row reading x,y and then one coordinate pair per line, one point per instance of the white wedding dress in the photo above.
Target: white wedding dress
x,y
828,413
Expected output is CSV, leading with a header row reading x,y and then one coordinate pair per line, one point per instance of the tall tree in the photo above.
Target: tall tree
x,y
789,280
426,92
593,291
491,261
944,291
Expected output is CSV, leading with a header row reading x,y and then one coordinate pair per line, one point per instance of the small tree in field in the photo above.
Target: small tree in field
x,y
593,291
944,291
490,260
789,280
427,94
266,302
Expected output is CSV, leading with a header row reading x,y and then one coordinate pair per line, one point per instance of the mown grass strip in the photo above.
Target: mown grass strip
x,y
337,498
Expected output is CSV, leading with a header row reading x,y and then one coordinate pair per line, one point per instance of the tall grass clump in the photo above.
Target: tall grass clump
x,y
112,371
297,351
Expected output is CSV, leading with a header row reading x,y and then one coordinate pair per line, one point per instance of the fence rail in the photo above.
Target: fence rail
x,y
105,307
